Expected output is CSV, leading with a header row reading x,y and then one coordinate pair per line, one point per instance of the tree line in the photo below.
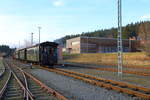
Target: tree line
x,y
6,50
139,29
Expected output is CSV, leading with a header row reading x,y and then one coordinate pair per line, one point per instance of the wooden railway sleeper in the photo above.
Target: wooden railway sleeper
x,y
27,94
120,89
59,96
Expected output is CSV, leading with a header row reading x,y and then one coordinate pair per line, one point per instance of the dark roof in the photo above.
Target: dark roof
x,y
49,43
41,44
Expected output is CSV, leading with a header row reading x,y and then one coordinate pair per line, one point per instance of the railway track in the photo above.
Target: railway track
x,y
123,87
129,66
141,73
12,88
35,88
125,71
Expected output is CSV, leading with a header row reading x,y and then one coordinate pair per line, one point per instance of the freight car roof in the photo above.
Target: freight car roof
x,y
48,43
41,44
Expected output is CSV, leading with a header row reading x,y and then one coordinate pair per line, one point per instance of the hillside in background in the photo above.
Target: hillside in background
x,y
140,30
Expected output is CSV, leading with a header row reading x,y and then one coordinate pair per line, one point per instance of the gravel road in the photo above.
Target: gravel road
x,y
75,89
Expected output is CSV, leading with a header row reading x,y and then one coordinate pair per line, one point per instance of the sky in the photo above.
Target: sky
x,y
57,18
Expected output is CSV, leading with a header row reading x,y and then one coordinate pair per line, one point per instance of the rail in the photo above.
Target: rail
x,y
108,84
5,85
49,90
27,95
123,84
113,70
42,85
26,83
131,89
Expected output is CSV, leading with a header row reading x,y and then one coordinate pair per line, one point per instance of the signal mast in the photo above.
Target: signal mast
x,y
120,47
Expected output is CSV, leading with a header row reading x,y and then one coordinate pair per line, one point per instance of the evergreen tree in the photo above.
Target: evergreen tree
x,y
139,29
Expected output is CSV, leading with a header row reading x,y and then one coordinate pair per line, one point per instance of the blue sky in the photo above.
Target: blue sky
x,y
18,18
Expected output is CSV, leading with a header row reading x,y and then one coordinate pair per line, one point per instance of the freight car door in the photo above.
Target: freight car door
x,y
53,55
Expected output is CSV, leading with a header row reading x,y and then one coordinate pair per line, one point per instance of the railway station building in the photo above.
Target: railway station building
x,y
99,45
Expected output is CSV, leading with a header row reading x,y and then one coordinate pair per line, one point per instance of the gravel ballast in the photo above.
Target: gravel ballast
x,y
75,89
130,78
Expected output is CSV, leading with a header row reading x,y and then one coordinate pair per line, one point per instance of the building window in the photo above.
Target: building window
x,y
75,43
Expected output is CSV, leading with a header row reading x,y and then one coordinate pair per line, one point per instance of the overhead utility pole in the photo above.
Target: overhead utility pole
x,y
32,39
120,47
39,33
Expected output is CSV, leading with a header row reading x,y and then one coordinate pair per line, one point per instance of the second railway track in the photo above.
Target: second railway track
x,y
123,87
133,90
141,73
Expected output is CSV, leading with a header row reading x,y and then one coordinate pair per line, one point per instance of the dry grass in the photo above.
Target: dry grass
x,y
3,79
1,65
130,59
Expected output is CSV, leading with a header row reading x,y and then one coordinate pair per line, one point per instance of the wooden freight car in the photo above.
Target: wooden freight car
x,y
44,53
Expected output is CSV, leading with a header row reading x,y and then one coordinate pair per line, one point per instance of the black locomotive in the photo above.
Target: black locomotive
x,y
44,54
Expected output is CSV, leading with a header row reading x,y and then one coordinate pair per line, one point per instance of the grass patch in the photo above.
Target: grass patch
x,y
4,79
5,75
132,59
1,66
